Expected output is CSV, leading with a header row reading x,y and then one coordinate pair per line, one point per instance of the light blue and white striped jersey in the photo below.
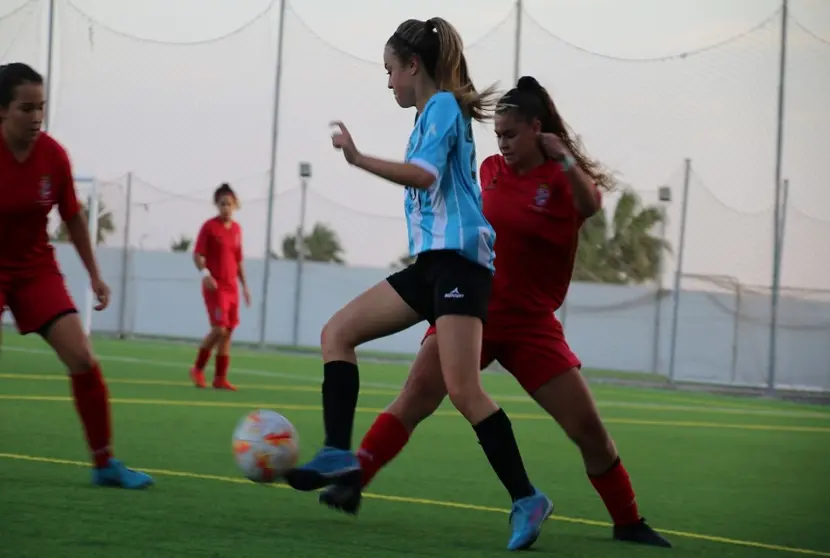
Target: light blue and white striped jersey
x,y
447,215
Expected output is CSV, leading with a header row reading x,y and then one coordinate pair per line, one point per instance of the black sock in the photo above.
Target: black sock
x,y
341,385
495,434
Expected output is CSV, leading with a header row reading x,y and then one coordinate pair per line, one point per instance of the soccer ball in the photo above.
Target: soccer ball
x,y
265,445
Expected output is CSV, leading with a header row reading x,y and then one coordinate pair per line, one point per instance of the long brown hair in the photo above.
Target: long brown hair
x,y
533,102
441,50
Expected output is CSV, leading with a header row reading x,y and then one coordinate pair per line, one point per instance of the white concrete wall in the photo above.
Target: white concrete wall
x,y
610,327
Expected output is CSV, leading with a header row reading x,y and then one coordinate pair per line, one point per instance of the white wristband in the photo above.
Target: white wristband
x,y
205,272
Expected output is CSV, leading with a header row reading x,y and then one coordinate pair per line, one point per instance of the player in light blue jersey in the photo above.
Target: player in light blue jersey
x,y
449,283
447,215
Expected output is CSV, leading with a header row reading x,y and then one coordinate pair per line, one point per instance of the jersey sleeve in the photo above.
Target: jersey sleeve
x,y
487,171
67,199
201,247
439,133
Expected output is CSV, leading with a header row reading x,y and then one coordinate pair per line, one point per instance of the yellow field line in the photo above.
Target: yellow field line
x,y
443,504
516,398
513,416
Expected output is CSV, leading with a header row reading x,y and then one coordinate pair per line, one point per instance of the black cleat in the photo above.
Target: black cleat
x,y
344,497
640,533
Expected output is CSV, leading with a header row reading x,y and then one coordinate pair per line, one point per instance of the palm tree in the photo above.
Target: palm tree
x,y
321,245
182,244
625,250
403,261
106,224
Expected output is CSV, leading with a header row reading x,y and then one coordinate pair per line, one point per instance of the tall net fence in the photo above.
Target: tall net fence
x,y
160,123
23,32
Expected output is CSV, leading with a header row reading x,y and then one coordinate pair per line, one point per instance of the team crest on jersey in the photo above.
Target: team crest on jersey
x,y
45,191
542,195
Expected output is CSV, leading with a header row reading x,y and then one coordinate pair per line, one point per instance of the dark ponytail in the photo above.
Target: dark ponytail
x,y
439,46
532,102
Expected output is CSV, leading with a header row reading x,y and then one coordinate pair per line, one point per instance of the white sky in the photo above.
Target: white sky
x,y
133,93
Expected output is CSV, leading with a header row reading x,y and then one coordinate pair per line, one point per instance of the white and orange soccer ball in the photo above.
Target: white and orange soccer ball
x,y
265,445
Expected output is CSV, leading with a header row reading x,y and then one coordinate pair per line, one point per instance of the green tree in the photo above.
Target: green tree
x,y
403,261
321,245
106,224
182,244
623,250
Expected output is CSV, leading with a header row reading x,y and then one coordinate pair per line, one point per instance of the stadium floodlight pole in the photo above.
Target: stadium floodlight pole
x,y
681,246
664,196
50,36
125,262
92,224
776,241
299,242
269,226
785,196
517,46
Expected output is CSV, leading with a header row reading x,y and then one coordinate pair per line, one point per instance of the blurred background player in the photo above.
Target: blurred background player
x,y
448,285
536,194
218,257
36,175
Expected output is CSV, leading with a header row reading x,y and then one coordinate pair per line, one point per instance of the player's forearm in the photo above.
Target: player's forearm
x,y
79,236
583,190
403,174
199,261
242,280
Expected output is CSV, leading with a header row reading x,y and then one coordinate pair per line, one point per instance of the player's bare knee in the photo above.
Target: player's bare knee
x,y
465,396
79,360
335,339
588,433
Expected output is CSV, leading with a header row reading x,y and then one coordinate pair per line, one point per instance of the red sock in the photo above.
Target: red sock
x,y
202,359
383,442
614,487
222,363
93,406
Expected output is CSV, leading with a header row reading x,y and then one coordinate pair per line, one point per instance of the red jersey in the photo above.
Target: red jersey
x,y
28,191
221,246
537,231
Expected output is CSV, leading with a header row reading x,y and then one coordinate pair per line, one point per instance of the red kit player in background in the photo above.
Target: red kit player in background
x,y
218,256
536,194
36,175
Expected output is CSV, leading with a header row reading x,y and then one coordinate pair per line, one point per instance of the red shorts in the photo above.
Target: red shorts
x,y
222,307
37,301
532,348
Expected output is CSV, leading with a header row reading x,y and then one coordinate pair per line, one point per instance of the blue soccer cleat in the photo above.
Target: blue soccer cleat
x,y
527,517
329,466
119,475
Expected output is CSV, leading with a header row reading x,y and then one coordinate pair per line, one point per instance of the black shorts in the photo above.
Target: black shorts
x,y
444,283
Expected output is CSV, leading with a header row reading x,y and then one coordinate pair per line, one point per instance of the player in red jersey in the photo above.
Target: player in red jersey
x,y
218,256
36,175
536,194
